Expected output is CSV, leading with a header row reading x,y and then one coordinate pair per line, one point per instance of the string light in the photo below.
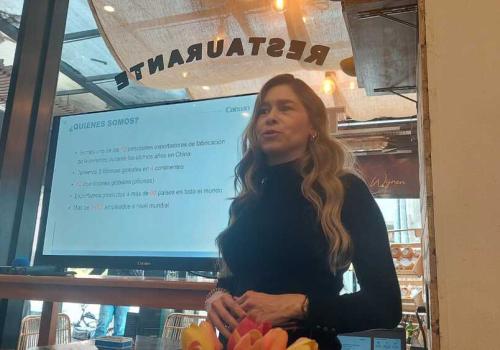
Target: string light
x,y
279,5
109,8
352,85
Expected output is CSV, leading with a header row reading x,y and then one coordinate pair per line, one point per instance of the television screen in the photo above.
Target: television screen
x,y
148,187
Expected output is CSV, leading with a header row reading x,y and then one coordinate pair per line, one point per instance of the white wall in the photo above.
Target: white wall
x,y
463,53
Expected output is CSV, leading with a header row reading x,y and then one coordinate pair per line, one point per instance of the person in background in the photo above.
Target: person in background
x,y
301,217
115,313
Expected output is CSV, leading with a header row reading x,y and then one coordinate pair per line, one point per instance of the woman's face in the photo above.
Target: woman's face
x,y
283,127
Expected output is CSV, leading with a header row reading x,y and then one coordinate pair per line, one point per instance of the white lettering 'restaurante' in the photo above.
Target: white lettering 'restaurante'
x,y
276,47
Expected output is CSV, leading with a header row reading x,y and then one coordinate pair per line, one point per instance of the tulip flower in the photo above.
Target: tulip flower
x,y
245,326
304,344
200,337
249,335
252,340
275,339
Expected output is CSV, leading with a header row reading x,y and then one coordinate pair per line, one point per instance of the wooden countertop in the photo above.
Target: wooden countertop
x,y
140,291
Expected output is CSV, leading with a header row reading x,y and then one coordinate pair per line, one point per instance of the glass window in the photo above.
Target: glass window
x,y
401,214
136,94
10,17
80,17
89,68
90,57
10,12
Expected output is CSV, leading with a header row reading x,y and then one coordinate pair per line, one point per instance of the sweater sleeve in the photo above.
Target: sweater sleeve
x,y
378,303
227,280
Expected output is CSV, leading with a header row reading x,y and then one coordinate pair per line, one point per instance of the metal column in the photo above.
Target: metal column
x,y
24,137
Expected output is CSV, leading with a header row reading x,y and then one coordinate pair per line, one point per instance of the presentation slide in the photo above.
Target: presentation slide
x,y
153,181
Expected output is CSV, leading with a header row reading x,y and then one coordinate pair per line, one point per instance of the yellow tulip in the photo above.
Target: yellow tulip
x,y
200,337
304,344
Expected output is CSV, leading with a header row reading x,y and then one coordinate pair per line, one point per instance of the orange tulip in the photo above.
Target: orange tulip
x,y
275,339
249,335
252,336
248,341
245,326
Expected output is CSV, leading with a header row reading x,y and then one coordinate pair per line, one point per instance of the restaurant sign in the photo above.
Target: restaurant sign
x,y
274,47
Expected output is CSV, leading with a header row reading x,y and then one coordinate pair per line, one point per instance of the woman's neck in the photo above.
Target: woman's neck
x,y
272,160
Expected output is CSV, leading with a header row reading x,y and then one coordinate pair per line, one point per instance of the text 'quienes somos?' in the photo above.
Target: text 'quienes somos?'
x,y
104,123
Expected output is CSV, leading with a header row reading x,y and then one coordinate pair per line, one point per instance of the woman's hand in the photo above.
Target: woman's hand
x,y
224,312
280,310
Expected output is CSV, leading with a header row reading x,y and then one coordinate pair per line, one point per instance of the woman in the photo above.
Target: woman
x,y
300,219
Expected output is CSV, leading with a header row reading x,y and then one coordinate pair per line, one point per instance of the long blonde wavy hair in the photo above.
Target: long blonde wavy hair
x,y
325,160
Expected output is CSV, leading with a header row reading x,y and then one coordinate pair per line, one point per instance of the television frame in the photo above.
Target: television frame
x,y
119,262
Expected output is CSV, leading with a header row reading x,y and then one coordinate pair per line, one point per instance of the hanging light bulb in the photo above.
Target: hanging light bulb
x,y
329,86
352,85
221,30
279,5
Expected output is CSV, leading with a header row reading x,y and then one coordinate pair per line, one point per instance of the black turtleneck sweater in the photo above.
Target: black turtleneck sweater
x,y
277,246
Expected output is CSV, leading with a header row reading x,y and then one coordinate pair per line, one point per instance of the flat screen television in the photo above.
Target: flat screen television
x,y
147,187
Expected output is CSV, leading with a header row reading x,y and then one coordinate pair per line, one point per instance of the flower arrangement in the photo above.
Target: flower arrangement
x,y
249,335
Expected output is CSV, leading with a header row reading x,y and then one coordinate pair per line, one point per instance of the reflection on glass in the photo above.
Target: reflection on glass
x,y
10,18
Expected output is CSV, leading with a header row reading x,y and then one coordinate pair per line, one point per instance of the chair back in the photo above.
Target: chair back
x,y
176,322
30,329
63,333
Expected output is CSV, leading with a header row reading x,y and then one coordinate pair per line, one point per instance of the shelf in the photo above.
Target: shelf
x,y
410,284
405,272
410,277
408,300
372,37
417,231
407,307
406,245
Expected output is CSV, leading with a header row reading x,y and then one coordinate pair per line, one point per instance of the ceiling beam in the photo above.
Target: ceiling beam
x,y
76,76
83,35
71,92
101,77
